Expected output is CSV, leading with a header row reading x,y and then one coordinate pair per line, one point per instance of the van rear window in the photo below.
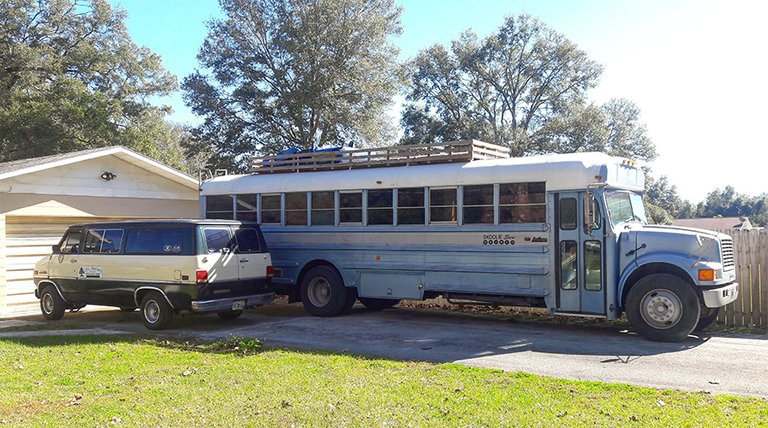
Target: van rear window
x,y
248,240
167,241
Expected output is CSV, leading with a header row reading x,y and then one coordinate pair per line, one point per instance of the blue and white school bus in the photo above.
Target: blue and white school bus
x,y
566,232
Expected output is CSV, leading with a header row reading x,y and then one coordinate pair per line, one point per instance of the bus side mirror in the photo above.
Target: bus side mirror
x,y
590,214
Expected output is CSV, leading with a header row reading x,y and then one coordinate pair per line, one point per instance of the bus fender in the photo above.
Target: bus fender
x,y
675,264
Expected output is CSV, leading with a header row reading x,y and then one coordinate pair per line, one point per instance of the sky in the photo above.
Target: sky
x,y
698,70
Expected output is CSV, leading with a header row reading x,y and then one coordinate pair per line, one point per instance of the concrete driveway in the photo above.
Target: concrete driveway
x,y
718,363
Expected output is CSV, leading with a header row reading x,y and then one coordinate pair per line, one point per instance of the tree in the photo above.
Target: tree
x,y
71,78
613,128
662,195
294,73
523,87
727,202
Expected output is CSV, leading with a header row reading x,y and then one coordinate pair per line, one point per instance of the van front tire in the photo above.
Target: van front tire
x,y
156,313
51,304
663,307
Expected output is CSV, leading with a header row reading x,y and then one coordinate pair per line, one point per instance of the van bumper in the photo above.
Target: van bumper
x,y
720,296
232,303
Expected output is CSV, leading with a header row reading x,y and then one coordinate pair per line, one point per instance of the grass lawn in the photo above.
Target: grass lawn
x,y
129,381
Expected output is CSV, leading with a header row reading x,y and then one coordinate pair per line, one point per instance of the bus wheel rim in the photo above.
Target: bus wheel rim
x,y
319,292
661,309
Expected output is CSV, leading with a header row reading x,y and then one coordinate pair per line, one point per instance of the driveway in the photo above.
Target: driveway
x,y
718,363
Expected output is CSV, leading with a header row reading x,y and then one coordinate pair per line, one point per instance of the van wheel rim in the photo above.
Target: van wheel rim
x,y
319,292
661,309
152,311
47,303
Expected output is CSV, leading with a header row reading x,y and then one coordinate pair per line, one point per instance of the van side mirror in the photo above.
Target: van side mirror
x,y
590,220
56,249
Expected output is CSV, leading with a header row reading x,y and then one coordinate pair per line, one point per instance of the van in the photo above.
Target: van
x,y
162,267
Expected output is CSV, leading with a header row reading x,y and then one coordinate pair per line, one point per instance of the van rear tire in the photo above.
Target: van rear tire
x,y
156,312
323,293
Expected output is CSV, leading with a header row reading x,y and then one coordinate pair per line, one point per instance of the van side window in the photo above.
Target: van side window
x,y
248,240
217,239
155,241
71,244
103,241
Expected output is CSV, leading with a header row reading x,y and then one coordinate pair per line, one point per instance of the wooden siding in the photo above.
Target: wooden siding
x,y
3,291
751,307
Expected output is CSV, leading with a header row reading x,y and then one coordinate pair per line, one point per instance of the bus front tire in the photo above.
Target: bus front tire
x,y
323,293
663,307
378,304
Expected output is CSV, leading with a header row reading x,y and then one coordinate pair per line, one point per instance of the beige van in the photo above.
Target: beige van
x,y
162,267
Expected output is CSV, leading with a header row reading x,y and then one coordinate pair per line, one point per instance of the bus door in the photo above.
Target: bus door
x,y
579,259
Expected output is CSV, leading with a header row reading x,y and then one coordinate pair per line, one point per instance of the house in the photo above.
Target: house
x,y
715,223
40,197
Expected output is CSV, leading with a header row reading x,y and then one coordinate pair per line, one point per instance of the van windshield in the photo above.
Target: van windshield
x,y
625,207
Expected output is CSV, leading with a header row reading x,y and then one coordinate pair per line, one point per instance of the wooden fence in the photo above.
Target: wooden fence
x,y
751,307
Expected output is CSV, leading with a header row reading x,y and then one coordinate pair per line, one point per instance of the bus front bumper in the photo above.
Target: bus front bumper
x,y
721,296
232,303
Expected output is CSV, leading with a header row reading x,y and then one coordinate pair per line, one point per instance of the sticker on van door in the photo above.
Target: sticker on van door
x,y
90,272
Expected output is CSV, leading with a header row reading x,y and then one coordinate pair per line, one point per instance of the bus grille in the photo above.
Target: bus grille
x,y
726,246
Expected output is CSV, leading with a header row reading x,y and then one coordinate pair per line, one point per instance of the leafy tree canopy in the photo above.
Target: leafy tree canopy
x,y
727,202
663,196
285,73
71,78
523,87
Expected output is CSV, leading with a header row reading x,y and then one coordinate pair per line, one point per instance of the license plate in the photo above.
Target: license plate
x,y
238,305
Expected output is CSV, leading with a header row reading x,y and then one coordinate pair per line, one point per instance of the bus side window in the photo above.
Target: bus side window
x,y
478,204
380,206
270,209
351,207
296,209
568,265
568,214
410,205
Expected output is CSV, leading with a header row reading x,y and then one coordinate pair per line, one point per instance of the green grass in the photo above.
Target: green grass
x,y
129,381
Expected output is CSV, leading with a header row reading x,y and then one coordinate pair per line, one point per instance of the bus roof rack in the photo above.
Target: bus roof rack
x,y
451,151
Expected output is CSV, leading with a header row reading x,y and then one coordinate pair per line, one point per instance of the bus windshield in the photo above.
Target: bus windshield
x,y
625,207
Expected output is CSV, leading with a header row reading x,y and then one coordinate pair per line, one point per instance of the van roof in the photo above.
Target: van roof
x,y
163,222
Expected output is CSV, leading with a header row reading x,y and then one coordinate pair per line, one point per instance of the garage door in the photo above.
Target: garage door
x,y
28,239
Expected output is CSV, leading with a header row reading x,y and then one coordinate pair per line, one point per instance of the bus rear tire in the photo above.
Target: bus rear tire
x,y
663,307
378,304
323,293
